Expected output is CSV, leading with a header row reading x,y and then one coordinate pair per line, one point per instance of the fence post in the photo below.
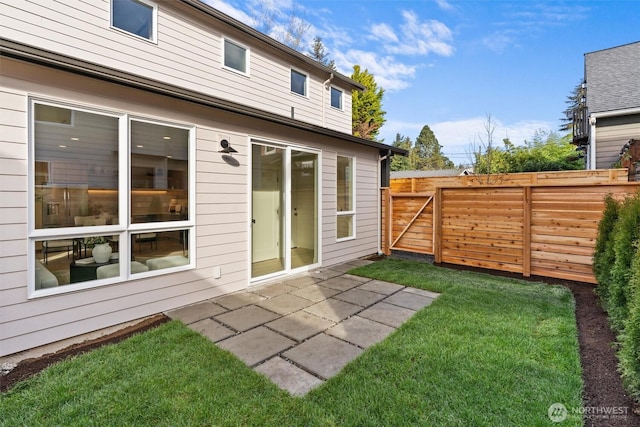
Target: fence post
x,y
437,226
386,220
526,231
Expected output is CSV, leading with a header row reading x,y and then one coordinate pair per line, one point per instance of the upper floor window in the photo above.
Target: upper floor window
x,y
336,98
298,83
137,17
236,56
345,184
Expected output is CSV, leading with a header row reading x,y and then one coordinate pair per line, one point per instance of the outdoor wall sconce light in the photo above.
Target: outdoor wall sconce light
x,y
227,150
226,147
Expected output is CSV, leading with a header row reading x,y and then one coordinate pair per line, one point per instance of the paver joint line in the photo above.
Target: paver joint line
x,y
300,346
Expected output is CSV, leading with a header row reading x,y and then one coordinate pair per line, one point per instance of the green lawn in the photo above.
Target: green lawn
x,y
489,351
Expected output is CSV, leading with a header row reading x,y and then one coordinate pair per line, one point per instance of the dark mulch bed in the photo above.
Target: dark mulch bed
x,y
602,384
28,367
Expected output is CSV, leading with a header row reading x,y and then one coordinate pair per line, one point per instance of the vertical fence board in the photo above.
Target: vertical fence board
x,y
526,232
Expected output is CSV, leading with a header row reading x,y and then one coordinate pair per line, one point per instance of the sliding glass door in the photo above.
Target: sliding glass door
x,y
284,199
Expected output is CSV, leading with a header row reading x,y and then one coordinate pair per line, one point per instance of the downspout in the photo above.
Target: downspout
x,y
325,86
380,168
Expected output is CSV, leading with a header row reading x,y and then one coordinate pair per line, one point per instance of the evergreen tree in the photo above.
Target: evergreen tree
x,y
318,52
574,102
428,152
402,163
367,113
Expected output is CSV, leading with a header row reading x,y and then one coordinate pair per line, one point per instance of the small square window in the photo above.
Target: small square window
x,y
336,98
134,16
235,57
298,83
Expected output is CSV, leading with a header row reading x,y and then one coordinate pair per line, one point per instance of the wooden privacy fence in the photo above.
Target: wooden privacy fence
x,y
541,224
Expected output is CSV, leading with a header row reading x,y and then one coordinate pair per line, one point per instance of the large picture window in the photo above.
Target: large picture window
x,y
85,198
345,198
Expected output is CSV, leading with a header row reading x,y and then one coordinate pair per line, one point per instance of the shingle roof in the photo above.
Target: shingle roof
x,y
613,78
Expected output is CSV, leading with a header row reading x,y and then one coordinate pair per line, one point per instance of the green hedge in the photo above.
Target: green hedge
x,y
625,234
616,265
604,256
630,340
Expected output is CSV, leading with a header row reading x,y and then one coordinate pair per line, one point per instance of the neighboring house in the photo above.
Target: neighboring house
x,y
209,157
612,114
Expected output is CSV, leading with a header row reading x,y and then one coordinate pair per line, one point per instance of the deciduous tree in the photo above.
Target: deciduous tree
x,y
547,151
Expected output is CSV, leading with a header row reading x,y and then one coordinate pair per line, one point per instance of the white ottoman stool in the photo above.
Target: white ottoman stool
x,y
167,262
112,270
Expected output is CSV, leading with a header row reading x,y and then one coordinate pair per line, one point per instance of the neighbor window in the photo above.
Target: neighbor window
x,y
236,57
336,98
82,201
298,83
345,197
137,17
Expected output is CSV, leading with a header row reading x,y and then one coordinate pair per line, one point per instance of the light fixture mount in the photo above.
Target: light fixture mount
x,y
226,147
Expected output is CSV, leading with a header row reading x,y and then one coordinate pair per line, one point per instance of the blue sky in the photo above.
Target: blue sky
x,y
449,63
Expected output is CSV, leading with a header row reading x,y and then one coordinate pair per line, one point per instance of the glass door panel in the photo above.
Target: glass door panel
x,y
304,208
267,201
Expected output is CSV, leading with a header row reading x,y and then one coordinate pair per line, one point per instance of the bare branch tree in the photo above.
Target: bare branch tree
x,y
290,30
482,154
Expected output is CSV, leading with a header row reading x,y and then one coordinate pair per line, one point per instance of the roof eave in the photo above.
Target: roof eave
x,y
22,52
228,20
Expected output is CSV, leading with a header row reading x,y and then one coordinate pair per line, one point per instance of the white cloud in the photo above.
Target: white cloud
x,y
499,41
444,4
228,9
457,137
389,74
384,33
421,37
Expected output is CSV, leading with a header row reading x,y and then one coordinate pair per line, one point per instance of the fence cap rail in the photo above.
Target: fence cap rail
x,y
421,194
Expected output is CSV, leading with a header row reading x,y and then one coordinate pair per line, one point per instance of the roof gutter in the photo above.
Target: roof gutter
x,y
624,112
30,54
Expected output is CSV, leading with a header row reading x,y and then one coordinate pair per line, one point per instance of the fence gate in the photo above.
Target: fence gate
x,y
411,222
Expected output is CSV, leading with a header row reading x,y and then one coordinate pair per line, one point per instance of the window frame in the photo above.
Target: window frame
x,y
306,83
341,107
351,213
124,229
247,56
154,18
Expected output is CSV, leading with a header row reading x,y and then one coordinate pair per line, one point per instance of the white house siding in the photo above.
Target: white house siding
x,y
611,135
222,200
187,54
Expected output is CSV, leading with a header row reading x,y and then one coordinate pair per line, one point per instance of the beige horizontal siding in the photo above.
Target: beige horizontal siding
x,y
222,209
611,135
187,54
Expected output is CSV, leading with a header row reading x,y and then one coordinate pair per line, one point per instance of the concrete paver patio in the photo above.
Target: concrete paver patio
x,y
303,330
